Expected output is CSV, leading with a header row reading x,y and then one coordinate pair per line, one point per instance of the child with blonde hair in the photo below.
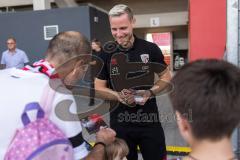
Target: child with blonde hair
x,y
118,150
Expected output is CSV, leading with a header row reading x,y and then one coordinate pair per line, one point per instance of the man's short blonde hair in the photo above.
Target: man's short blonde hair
x,y
120,9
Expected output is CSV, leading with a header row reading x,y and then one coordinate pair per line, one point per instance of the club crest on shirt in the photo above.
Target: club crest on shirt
x,y
145,58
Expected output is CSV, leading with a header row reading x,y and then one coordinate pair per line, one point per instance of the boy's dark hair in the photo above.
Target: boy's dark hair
x,y
210,89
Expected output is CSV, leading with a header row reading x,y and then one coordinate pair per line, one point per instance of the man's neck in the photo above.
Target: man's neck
x,y
209,150
130,42
12,50
132,39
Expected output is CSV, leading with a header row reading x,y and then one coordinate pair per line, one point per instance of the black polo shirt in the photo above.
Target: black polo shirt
x,y
132,68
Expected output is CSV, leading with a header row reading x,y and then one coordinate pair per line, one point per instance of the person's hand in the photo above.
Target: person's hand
x,y
146,94
77,71
127,97
93,63
105,135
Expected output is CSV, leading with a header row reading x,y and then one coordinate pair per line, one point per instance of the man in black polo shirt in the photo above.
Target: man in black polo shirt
x,y
127,79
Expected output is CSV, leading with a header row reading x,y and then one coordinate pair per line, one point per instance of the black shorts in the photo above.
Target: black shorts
x,y
149,138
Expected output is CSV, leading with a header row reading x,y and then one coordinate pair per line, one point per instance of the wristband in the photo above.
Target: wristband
x,y
101,143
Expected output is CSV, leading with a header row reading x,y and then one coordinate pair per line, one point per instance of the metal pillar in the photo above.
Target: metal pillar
x,y
41,4
232,52
66,3
232,31
238,33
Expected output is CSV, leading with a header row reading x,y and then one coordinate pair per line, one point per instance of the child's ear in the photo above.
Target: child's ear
x,y
184,127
